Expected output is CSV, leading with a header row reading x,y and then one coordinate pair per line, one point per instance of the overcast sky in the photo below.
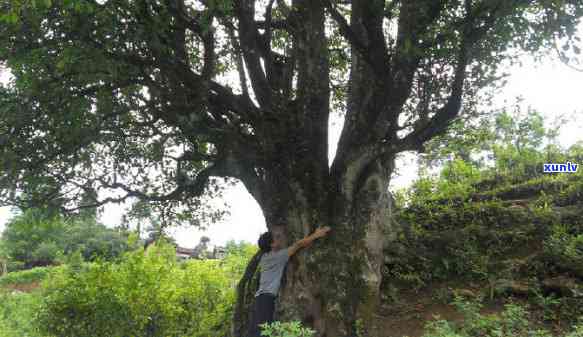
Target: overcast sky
x,y
549,87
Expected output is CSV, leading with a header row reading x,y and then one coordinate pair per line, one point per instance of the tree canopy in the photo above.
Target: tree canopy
x,y
137,97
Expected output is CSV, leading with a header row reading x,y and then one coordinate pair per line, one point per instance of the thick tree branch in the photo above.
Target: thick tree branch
x,y
268,57
347,32
249,37
371,15
380,86
426,130
440,121
471,35
274,24
414,21
208,70
185,188
238,57
179,11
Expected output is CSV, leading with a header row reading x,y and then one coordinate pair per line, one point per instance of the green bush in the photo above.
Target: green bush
x,y
287,329
27,276
573,192
457,239
16,311
238,255
145,294
457,179
512,322
47,253
565,249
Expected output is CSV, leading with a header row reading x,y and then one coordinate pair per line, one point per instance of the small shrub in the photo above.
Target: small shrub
x,y
565,249
47,253
287,329
548,304
512,322
577,331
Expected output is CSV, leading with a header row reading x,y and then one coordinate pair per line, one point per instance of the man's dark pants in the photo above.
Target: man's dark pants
x,y
262,313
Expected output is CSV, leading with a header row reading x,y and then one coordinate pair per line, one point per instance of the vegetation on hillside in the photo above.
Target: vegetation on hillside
x,y
497,228
35,238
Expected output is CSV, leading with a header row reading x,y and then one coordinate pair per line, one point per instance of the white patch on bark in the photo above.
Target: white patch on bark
x,y
375,233
352,172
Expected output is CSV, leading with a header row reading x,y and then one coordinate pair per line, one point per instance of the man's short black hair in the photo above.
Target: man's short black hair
x,y
265,241
149,241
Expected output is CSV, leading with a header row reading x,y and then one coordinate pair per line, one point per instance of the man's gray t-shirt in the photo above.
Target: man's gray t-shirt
x,y
271,266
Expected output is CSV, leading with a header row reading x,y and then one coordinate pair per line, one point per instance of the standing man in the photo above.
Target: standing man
x,y
273,260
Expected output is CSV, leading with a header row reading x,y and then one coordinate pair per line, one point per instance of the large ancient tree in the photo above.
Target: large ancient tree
x,y
153,99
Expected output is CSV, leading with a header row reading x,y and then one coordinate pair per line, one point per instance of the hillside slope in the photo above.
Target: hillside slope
x,y
509,242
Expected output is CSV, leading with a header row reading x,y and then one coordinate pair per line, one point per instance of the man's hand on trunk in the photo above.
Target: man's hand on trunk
x,y
321,231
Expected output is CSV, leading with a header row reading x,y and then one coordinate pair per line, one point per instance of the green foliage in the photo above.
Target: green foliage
x,y
100,127
457,225
287,329
512,322
457,179
119,86
47,253
34,239
549,305
94,240
463,139
544,201
145,294
27,276
517,144
518,141
453,232
573,191
29,238
16,310
3,258
523,130
575,152
467,259
454,238
565,249
238,255
513,139
422,189
458,171
522,142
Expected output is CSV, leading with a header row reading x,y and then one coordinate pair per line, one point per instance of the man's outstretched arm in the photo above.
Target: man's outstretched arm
x,y
318,233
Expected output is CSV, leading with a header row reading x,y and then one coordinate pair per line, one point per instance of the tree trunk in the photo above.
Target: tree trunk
x,y
333,286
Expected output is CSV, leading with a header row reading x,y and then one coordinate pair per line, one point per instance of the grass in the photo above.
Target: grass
x,y
22,277
16,313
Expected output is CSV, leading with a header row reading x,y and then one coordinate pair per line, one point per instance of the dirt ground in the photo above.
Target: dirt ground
x,y
414,310
26,287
